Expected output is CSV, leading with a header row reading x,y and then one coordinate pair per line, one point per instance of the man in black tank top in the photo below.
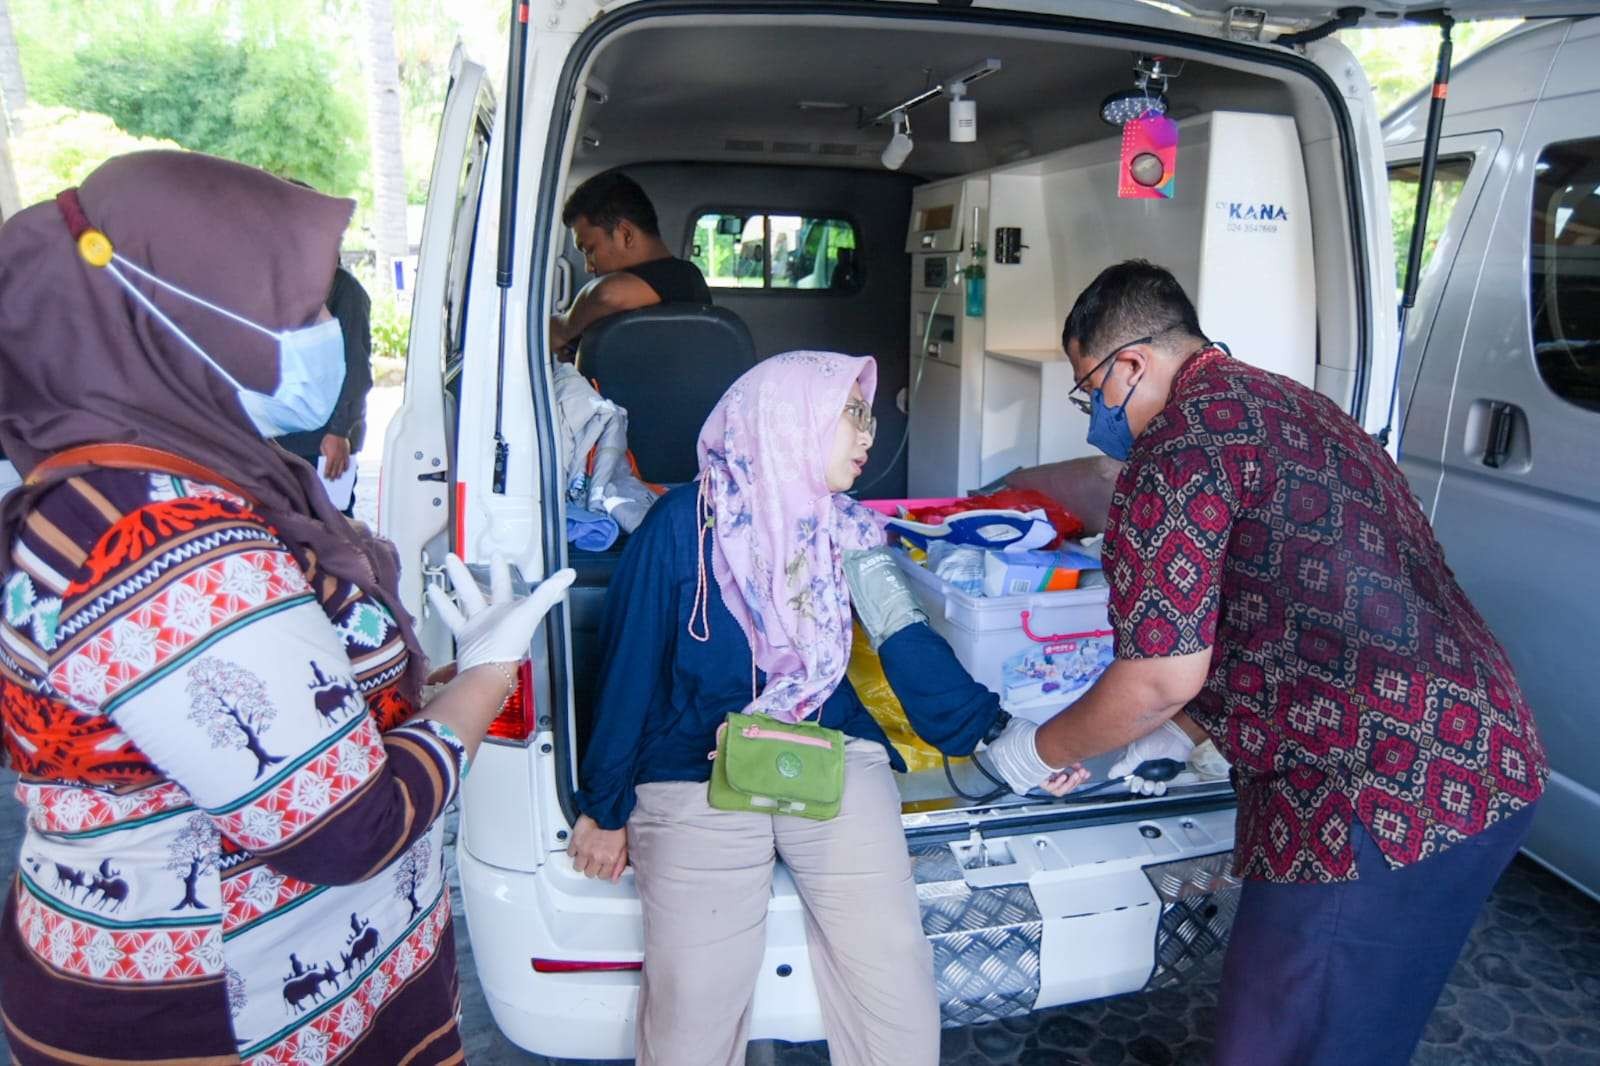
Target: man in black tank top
x,y
614,226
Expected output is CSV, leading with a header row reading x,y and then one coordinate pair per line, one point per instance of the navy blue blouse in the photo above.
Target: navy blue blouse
x,y
662,694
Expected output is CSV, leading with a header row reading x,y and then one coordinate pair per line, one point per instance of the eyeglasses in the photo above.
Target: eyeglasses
x,y
860,416
1083,403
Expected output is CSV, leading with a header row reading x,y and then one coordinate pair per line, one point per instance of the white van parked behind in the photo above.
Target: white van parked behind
x,y
1278,225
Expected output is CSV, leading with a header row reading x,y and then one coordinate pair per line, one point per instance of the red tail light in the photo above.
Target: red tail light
x,y
461,517
570,966
519,718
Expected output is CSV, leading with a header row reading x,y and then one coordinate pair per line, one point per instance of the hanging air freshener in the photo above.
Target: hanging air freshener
x,y
1149,158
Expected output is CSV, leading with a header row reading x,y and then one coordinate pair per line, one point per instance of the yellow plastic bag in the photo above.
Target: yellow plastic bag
x,y
866,675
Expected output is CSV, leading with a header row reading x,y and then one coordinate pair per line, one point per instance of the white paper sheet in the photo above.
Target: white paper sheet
x,y
341,488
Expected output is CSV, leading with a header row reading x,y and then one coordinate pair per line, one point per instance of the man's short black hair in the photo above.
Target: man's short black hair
x,y
606,199
1133,299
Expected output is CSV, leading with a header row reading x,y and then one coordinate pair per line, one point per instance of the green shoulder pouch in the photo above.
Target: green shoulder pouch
x,y
776,767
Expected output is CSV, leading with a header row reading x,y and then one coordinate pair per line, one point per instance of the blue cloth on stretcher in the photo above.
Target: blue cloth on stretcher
x,y
591,531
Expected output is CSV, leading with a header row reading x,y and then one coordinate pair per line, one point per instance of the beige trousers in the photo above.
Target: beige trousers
x,y
705,878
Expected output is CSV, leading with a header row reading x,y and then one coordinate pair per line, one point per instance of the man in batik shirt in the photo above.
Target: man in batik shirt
x,y
1275,587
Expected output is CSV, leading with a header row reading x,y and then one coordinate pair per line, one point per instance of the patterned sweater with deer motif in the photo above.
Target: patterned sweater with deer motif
x,y
233,847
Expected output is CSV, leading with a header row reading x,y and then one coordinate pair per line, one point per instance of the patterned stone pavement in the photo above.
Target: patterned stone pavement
x,y
1525,993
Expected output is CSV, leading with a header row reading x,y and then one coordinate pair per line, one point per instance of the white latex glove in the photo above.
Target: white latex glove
x,y
1014,757
1167,742
1208,762
499,630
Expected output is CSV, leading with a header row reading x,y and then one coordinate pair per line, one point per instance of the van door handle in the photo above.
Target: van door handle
x,y
1502,423
563,283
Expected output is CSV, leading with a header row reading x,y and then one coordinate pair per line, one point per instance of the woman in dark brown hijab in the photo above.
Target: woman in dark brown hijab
x,y
208,684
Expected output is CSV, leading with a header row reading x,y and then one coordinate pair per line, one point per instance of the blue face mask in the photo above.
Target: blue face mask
x,y
1108,426
310,363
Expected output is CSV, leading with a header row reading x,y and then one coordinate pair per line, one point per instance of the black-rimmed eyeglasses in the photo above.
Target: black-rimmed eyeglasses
x,y
1083,403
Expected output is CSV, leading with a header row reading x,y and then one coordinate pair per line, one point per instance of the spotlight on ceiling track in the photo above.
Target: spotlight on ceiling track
x,y
963,114
1148,95
900,145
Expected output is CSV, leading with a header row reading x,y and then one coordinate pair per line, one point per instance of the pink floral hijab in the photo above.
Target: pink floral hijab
x,y
779,535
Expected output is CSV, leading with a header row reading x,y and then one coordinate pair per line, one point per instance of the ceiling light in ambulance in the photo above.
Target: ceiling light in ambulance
x,y
1149,92
1119,109
899,147
963,114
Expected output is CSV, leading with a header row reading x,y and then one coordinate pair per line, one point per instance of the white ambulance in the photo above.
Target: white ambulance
x,y
815,159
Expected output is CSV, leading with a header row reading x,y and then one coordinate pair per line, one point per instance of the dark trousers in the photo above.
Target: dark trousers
x,y
1349,973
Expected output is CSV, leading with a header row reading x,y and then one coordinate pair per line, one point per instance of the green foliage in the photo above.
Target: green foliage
x,y
275,84
1448,182
293,119
59,147
391,327
277,106
1399,60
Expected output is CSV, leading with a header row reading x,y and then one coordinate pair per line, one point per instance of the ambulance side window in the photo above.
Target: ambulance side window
x,y
1564,270
1449,178
458,269
771,251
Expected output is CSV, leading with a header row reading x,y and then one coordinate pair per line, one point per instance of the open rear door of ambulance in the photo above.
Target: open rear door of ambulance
x,y
416,498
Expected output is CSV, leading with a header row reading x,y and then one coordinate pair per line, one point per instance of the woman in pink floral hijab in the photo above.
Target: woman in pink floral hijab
x,y
732,597
781,522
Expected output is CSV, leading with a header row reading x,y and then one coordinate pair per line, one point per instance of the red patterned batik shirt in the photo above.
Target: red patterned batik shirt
x,y
1350,676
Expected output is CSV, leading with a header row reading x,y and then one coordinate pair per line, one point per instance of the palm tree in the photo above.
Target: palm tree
x,y
10,202
14,95
12,86
383,121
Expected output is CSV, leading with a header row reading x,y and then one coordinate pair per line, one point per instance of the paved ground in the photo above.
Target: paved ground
x,y
1525,993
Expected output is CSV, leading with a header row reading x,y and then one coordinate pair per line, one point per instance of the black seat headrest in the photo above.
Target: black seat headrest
x,y
667,365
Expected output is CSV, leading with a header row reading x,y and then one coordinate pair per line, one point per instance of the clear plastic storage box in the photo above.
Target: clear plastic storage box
x,y
1039,651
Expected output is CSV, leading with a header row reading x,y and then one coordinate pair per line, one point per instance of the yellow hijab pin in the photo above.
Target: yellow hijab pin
x,y
94,246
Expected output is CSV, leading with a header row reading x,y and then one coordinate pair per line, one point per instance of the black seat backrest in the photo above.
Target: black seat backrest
x,y
667,365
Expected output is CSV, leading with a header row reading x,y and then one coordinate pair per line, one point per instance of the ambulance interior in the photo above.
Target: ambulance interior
x,y
763,138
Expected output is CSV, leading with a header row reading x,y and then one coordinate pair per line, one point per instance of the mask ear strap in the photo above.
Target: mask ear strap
x,y
191,297
1131,388
96,250
161,316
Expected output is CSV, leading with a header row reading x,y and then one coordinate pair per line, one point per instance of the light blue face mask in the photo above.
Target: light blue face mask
x,y
310,376
310,363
